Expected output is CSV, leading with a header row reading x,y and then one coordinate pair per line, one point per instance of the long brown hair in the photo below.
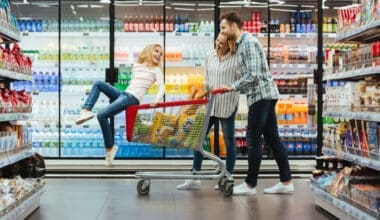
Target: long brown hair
x,y
146,55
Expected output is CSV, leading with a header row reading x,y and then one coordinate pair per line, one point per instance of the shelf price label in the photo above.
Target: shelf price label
x,y
86,34
194,34
207,34
178,34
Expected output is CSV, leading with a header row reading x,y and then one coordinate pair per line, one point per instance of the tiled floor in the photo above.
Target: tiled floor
x,y
112,199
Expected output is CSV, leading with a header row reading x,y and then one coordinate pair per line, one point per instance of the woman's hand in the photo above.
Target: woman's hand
x,y
153,104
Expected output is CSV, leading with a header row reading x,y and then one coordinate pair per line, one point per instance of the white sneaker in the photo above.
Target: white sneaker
x,y
84,116
110,156
189,184
243,189
280,188
216,187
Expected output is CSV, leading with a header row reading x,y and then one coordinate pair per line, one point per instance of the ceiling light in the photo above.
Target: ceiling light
x,y
96,6
72,7
82,6
168,7
230,6
126,5
255,6
24,2
105,1
159,4
280,9
74,12
183,4
184,9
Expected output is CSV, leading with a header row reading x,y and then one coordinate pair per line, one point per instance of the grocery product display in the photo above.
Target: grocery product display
x,y
21,171
346,181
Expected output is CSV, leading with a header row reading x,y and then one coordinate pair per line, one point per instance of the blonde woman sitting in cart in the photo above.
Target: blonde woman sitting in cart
x,y
220,70
145,72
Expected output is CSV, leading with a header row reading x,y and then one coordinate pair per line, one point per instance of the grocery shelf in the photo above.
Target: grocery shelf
x,y
279,65
9,35
336,206
293,96
294,126
14,75
368,116
363,161
13,116
23,207
10,157
364,34
292,76
353,73
293,35
117,34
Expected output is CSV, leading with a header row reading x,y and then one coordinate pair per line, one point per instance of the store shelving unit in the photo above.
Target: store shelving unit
x,y
340,206
23,207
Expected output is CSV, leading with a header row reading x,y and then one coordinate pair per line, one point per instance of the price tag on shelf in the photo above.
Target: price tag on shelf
x,y
207,34
86,34
161,34
86,126
67,126
178,34
194,34
25,33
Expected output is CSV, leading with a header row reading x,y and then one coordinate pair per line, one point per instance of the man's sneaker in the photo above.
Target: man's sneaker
x,y
189,184
280,188
110,156
243,189
216,187
84,116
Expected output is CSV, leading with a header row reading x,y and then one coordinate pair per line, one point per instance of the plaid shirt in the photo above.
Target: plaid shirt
x,y
256,80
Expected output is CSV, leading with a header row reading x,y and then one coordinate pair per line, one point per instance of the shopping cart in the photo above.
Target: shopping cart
x,y
176,124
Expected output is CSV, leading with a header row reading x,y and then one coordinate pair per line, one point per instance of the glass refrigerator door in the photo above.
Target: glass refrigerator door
x,y
84,59
255,22
136,26
189,37
38,23
293,59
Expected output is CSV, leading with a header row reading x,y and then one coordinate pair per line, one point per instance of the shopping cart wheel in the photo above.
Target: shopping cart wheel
x,y
228,189
143,187
222,183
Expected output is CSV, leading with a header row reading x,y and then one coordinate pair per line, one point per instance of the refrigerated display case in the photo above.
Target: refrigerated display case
x,y
88,44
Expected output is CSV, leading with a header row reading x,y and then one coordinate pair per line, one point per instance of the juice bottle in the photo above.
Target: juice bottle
x,y
191,83
297,113
280,112
289,112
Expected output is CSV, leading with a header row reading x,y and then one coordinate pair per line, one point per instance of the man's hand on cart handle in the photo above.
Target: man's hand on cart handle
x,y
222,89
153,104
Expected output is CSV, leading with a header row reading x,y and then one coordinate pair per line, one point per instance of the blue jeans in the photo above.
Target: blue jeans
x,y
228,128
262,121
119,101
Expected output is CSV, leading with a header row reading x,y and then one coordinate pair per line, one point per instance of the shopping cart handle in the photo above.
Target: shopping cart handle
x,y
219,91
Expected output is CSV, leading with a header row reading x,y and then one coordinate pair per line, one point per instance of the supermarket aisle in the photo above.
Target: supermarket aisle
x,y
117,199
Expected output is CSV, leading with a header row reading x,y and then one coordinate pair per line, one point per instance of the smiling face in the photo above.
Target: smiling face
x,y
221,45
156,55
227,29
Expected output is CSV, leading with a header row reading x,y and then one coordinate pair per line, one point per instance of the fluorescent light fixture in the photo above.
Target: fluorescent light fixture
x,y
229,6
255,6
127,5
81,18
150,4
184,9
25,18
183,4
74,12
104,18
126,2
82,6
309,10
205,5
281,9
24,2
168,7
105,1
96,6
205,9
72,7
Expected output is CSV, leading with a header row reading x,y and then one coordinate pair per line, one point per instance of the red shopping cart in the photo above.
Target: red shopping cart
x,y
176,124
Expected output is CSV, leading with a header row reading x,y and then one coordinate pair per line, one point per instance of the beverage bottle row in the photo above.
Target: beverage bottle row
x,y
283,54
82,76
171,23
78,53
67,25
182,83
45,82
291,86
291,111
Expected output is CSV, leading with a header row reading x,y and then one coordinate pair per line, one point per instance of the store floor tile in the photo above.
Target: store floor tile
x,y
113,199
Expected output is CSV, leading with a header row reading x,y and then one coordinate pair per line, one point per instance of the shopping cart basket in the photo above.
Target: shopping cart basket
x,y
177,124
